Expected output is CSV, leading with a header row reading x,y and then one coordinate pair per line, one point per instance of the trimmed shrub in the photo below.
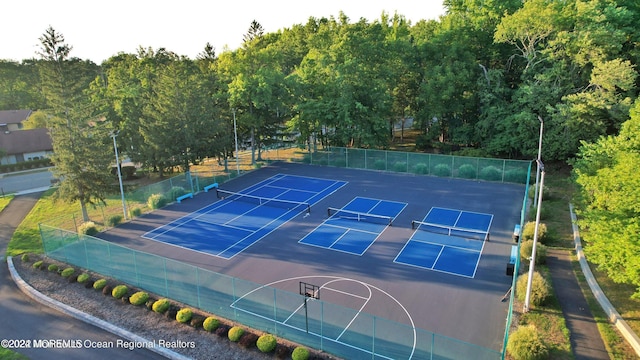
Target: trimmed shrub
x,y
467,171
100,284
539,288
67,272
526,344
235,333
25,258
135,212
161,306
156,201
53,268
210,324
442,170
171,313
400,166
300,353
119,291
88,228
380,165
282,351
526,249
266,343
38,264
222,330
84,277
529,230
184,315
114,220
518,176
175,192
339,163
139,298
149,304
106,290
491,173
248,340
196,321
421,168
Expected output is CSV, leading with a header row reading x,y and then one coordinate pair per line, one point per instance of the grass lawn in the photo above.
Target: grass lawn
x,y
4,201
7,354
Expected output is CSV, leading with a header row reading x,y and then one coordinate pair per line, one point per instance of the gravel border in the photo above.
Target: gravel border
x,y
134,323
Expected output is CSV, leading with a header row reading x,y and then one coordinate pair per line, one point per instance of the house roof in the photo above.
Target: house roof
x,y
25,141
13,116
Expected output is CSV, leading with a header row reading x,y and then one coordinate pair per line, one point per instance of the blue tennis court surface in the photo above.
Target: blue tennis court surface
x,y
232,224
447,240
356,226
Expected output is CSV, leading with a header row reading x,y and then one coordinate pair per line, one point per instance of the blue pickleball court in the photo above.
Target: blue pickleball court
x,y
238,220
447,240
354,227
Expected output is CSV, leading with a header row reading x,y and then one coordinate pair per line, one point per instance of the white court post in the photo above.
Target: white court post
x,y
532,261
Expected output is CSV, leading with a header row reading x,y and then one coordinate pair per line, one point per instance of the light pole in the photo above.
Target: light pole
x,y
114,134
235,135
532,261
535,196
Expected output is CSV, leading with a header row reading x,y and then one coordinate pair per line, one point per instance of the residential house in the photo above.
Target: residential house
x,y
19,145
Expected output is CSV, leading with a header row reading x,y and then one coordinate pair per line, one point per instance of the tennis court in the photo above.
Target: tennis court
x,y
356,226
447,240
240,219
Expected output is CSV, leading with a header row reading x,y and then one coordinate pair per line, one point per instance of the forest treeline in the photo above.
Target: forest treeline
x,y
481,77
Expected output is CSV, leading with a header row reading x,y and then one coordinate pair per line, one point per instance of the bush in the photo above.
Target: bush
x,y
235,333
184,315
400,166
99,284
139,298
491,173
442,170
526,344
25,258
248,340
300,353
88,228
83,278
119,291
175,192
114,220
106,290
526,249
196,321
53,268
156,201
529,230
539,288
518,176
67,272
37,264
210,324
421,169
380,165
532,190
266,343
467,171
135,212
161,306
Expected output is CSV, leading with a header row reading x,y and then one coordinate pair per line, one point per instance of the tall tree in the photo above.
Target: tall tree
x,y
80,139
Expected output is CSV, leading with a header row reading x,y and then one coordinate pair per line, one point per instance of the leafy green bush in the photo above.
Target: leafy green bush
x,y
339,163
421,169
529,230
135,212
526,344
99,284
88,228
119,291
380,165
210,324
518,176
67,272
235,333
139,298
175,192
400,166
532,191
184,315
266,343
161,306
442,170
83,278
539,288
156,201
491,173
25,258
38,264
53,268
300,353
526,249
467,171
114,220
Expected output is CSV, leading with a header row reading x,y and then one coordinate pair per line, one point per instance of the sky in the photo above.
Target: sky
x,y
98,30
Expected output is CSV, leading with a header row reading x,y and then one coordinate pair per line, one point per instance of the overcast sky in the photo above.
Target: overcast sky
x,y
98,30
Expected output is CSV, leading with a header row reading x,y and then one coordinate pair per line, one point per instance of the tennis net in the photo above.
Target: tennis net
x,y
359,216
450,230
258,200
